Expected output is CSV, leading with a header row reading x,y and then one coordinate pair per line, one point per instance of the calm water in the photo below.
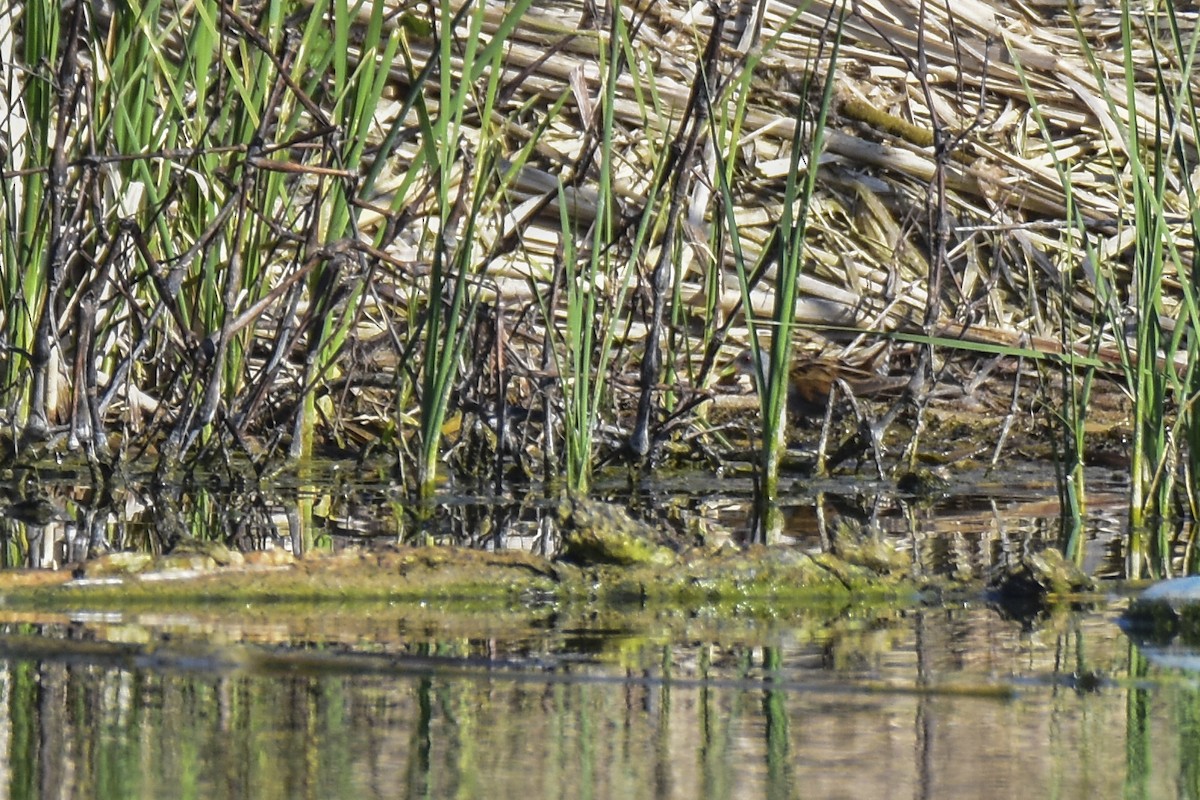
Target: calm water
x,y
946,700
939,702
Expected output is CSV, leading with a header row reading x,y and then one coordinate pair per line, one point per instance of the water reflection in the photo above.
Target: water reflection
x,y
941,701
945,703
978,524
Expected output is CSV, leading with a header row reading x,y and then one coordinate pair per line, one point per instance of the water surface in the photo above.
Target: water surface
x,y
946,697
932,702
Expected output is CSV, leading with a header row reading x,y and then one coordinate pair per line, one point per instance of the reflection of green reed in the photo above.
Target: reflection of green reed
x,y
780,782
463,695
1139,752
1188,715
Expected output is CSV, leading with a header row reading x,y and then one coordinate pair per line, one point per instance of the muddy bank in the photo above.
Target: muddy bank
x,y
607,559
450,576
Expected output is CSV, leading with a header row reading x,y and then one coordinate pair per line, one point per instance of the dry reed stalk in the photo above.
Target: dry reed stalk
x,y
867,268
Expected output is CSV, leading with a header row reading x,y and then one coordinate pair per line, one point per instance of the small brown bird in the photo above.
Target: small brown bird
x,y
811,382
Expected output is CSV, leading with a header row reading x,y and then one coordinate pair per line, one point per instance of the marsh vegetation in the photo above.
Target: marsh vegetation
x,y
493,243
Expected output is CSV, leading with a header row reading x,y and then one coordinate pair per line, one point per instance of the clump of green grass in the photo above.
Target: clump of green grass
x,y
1148,147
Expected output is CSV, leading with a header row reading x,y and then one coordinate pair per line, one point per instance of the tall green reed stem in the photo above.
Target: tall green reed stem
x,y
1151,370
1182,106
452,299
26,131
587,342
357,95
1075,371
787,242
1151,363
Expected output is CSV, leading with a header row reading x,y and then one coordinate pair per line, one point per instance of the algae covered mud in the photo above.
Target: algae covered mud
x,y
210,640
